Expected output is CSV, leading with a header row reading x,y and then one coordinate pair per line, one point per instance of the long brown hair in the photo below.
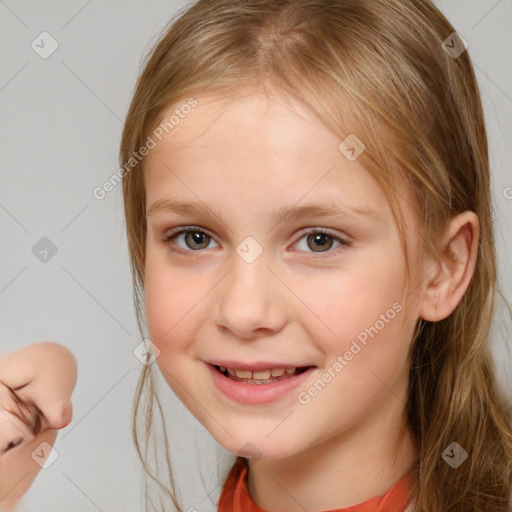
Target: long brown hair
x,y
417,107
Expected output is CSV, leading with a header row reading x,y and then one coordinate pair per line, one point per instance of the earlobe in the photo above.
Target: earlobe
x,y
451,275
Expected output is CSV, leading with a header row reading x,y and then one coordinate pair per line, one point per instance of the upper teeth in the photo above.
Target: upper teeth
x,y
262,375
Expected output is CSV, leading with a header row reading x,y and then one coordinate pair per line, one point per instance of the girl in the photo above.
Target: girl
x,y
307,203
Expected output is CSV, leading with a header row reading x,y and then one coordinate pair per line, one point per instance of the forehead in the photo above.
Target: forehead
x,y
259,147
279,124
248,135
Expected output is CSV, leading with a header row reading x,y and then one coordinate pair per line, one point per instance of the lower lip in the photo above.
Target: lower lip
x,y
257,393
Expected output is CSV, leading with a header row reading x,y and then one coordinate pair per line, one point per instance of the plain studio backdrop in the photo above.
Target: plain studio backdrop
x,y
62,116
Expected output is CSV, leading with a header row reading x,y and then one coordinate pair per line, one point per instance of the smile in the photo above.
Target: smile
x,y
256,387
261,377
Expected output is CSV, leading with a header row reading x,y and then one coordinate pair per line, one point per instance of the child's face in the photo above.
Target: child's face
x,y
302,302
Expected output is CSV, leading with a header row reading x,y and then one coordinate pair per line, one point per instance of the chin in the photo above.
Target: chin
x,y
256,446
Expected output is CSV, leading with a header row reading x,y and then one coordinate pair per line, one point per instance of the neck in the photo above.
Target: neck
x,y
345,470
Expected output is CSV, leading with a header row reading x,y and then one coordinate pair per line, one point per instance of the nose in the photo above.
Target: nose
x,y
251,301
59,414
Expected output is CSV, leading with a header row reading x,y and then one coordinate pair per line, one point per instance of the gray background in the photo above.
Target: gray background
x,y
60,131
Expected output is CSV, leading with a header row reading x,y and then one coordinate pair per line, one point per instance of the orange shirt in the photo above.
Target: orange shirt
x,y
235,495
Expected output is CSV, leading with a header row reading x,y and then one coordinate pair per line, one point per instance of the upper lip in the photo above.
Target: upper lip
x,y
254,366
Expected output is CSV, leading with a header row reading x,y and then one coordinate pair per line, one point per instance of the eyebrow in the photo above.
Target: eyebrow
x,y
285,213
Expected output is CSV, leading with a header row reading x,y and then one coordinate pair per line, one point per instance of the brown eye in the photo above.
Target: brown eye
x,y
319,240
194,239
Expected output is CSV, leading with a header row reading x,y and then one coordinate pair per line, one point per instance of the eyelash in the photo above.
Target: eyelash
x,y
12,444
168,239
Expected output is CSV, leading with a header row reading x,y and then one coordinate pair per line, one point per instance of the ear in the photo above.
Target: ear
x,y
449,276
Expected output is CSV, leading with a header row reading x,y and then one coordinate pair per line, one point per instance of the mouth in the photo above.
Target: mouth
x,y
259,386
268,376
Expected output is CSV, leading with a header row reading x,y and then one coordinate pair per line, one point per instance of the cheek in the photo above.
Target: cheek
x,y
350,303
161,300
163,313
367,357
370,344
171,296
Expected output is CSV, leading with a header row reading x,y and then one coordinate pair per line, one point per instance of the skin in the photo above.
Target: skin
x,y
43,374
246,157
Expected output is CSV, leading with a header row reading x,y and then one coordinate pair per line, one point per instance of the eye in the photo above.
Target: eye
x,y
322,239
196,239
